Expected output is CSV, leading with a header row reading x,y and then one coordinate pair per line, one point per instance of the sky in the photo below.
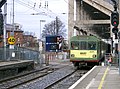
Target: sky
x,y
24,10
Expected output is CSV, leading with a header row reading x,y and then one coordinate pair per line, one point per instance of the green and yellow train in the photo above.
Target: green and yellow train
x,y
87,50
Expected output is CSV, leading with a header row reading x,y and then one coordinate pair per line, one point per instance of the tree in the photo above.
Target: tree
x,y
55,27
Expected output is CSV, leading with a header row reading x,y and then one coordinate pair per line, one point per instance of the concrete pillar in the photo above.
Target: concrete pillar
x,y
81,14
70,18
78,17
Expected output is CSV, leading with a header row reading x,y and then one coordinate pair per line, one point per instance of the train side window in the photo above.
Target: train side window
x,y
83,45
91,45
74,45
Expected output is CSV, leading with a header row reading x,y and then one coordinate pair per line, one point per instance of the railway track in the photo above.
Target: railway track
x,y
47,78
52,79
66,82
11,82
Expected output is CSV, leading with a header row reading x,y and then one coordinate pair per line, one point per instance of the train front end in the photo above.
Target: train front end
x,y
83,51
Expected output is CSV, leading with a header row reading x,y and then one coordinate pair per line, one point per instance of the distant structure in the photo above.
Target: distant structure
x,y
22,40
91,16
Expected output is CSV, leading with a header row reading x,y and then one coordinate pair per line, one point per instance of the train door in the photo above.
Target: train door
x,y
99,50
102,50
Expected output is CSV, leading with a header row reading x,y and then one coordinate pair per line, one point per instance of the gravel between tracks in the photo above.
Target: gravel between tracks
x,y
46,81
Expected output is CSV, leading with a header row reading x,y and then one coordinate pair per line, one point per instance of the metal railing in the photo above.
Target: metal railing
x,y
19,53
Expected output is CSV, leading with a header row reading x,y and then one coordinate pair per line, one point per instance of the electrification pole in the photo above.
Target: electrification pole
x,y
3,29
4,33
57,27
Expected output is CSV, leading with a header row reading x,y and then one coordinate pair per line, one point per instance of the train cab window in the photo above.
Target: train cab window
x,y
91,45
83,45
74,45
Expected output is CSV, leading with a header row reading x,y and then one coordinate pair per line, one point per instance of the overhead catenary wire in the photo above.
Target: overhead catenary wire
x,y
33,8
48,12
30,5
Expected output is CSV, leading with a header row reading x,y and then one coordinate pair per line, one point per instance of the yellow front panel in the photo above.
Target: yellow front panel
x,y
83,53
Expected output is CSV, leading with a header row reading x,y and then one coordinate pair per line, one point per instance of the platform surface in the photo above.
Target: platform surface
x,y
100,77
11,64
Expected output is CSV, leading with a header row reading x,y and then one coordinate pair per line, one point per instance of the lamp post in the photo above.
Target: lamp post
x,y
40,43
40,26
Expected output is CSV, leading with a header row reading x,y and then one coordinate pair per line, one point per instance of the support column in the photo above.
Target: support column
x,y
78,17
70,18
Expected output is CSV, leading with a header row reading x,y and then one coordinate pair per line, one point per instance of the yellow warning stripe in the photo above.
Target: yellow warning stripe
x,y
103,78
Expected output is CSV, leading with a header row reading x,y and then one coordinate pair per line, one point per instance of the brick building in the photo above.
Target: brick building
x,y
30,41
17,33
21,39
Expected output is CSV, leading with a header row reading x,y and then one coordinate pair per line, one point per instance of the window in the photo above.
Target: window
x,y
91,45
74,45
83,45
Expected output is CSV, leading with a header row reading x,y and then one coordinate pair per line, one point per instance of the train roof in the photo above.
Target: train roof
x,y
84,37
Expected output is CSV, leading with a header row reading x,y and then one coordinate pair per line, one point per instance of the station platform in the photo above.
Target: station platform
x,y
99,77
11,68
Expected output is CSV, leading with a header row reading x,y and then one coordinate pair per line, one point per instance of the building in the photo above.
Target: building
x,y
30,41
17,33
21,39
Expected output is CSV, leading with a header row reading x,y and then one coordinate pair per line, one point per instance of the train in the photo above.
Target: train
x,y
87,50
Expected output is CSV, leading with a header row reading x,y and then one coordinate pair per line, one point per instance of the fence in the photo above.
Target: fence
x,y
19,53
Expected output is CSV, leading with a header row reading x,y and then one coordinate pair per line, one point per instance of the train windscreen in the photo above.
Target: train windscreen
x,y
83,45
91,45
74,45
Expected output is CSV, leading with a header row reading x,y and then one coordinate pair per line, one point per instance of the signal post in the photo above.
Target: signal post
x,y
119,37
115,30
115,23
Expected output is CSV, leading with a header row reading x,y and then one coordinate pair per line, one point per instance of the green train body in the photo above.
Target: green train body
x,y
88,50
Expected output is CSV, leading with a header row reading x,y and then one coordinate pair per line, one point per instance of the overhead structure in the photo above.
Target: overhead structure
x,y
92,16
2,2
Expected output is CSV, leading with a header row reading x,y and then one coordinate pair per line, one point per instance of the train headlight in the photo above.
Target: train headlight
x,y
94,56
72,55
102,51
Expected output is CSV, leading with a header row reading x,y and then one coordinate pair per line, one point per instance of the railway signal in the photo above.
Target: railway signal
x,y
115,18
59,42
115,21
115,30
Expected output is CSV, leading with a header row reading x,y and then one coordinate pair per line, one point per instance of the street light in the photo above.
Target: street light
x,y
40,26
40,41
40,44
